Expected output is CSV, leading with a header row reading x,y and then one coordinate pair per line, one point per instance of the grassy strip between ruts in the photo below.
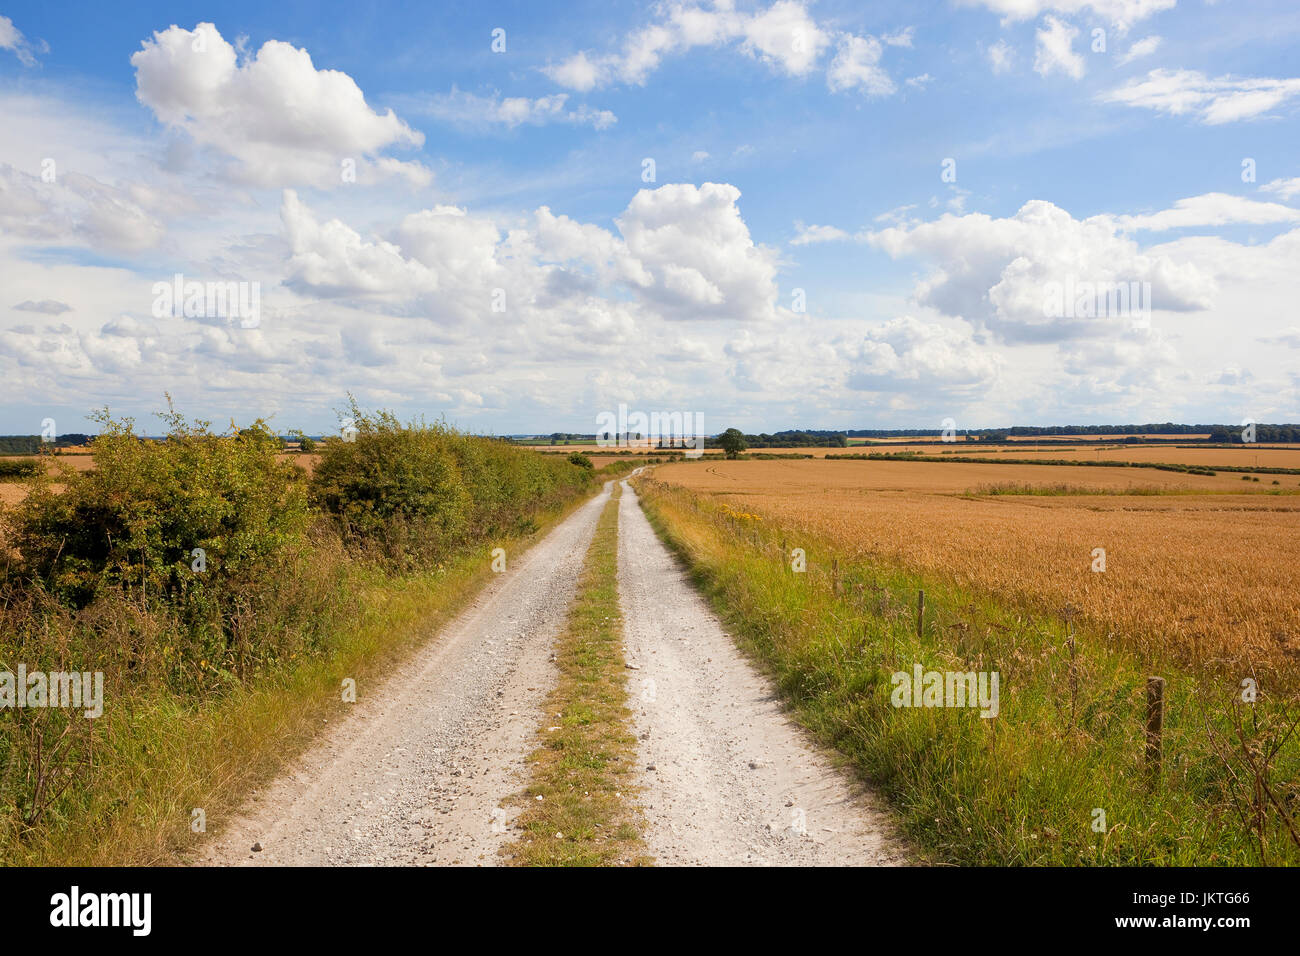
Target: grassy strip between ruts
x,y
578,808
1059,776
172,757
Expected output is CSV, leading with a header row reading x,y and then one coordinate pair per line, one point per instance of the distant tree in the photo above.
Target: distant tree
x,y
732,441
306,444
20,444
581,460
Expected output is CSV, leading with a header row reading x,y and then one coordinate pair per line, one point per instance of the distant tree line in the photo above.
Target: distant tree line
x,y
788,439
1224,434
31,444
1023,431
20,444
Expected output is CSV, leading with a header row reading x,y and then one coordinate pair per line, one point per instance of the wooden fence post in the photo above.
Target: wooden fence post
x,y
920,612
1155,725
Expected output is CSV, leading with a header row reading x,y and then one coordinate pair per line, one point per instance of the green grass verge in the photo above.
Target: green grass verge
x,y
1059,777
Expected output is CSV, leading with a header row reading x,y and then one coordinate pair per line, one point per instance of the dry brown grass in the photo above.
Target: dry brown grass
x,y
1205,578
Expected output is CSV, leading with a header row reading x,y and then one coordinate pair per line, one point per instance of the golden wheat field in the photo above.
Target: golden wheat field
x,y
860,476
1203,577
903,439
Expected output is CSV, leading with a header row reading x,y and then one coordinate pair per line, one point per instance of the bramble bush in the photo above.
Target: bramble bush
x,y
179,563
426,491
133,521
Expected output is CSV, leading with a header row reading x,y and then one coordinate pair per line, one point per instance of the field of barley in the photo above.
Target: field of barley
x,y
1201,570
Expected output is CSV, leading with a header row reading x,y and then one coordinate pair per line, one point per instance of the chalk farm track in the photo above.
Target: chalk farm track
x,y
420,773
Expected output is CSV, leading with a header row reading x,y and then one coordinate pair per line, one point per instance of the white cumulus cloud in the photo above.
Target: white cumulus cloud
x,y
1001,272
278,118
905,353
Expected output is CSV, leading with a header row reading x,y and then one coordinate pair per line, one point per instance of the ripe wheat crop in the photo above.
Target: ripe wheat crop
x,y
1199,577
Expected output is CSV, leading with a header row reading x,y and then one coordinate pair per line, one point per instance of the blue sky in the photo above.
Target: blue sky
x,y
501,257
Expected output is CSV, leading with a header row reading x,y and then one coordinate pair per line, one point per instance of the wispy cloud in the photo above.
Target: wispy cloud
x,y
1001,57
901,38
12,39
1211,209
468,109
808,235
1122,13
1225,99
784,36
1054,49
44,307
1284,189
1140,48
